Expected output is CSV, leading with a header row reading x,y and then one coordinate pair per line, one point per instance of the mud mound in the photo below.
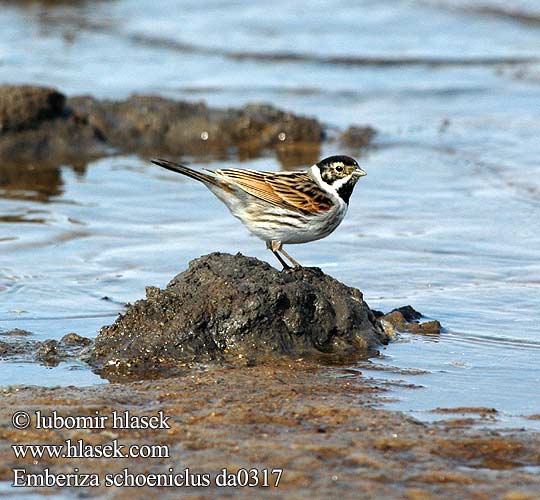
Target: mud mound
x,y
227,307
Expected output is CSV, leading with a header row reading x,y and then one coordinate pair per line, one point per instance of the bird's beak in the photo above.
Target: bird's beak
x,y
359,172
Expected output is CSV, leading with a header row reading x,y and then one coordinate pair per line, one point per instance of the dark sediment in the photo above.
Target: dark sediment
x,y
228,307
149,124
23,107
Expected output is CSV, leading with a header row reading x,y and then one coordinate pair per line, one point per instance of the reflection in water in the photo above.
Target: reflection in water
x,y
32,181
21,219
527,14
289,157
28,182
66,18
298,156
40,182
299,57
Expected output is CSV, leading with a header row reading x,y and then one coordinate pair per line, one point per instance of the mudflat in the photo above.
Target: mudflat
x,y
323,430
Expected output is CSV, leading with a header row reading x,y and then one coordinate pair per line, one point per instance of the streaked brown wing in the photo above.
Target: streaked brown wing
x,y
293,190
251,182
300,191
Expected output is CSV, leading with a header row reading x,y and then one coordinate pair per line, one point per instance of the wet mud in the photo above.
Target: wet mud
x,y
324,431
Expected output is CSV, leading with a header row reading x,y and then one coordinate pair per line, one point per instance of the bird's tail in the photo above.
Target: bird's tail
x,y
181,169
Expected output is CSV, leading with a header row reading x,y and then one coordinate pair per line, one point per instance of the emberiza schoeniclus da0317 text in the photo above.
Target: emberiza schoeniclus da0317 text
x,y
283,207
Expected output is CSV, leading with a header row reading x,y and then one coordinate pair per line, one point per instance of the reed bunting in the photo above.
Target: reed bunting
x,y
283,207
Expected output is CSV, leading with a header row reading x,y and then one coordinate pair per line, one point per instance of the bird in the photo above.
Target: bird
x,y
283,207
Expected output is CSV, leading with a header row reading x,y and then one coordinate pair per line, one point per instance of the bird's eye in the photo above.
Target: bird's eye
x,y
339,168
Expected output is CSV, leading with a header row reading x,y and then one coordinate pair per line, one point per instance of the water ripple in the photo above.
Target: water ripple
x,y
339,60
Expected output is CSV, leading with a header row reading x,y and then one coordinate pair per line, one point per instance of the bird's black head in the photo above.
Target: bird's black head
x,y
338,173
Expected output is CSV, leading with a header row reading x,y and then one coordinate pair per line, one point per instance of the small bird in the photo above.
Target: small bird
x,y
283,207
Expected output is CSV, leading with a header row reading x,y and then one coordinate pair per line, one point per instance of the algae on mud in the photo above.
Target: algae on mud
x,y
321,429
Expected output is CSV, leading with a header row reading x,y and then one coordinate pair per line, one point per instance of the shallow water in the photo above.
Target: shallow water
x,y
447,220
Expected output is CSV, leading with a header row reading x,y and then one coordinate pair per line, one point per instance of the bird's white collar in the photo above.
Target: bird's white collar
x,y
332,190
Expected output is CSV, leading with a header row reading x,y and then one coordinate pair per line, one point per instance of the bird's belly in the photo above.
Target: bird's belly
x,y
292,227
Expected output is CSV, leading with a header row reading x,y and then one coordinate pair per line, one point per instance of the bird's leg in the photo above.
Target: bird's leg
x,y
277,246
273,246
283,263
295,263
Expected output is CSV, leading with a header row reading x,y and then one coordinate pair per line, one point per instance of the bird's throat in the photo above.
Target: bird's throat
x,y
344,191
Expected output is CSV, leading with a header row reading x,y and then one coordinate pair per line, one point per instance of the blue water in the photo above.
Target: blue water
x,y
447,220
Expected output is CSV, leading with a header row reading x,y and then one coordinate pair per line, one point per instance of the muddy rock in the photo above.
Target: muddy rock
x,y
16,332
75,340
48,352
8,349
228,308
24,107
357,137
70,347
41,124
16,343
19,345
481,410
36,125
408,312
406,319
151,124
432,327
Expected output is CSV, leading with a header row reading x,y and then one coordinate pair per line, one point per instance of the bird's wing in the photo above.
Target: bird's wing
x,y
292,190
